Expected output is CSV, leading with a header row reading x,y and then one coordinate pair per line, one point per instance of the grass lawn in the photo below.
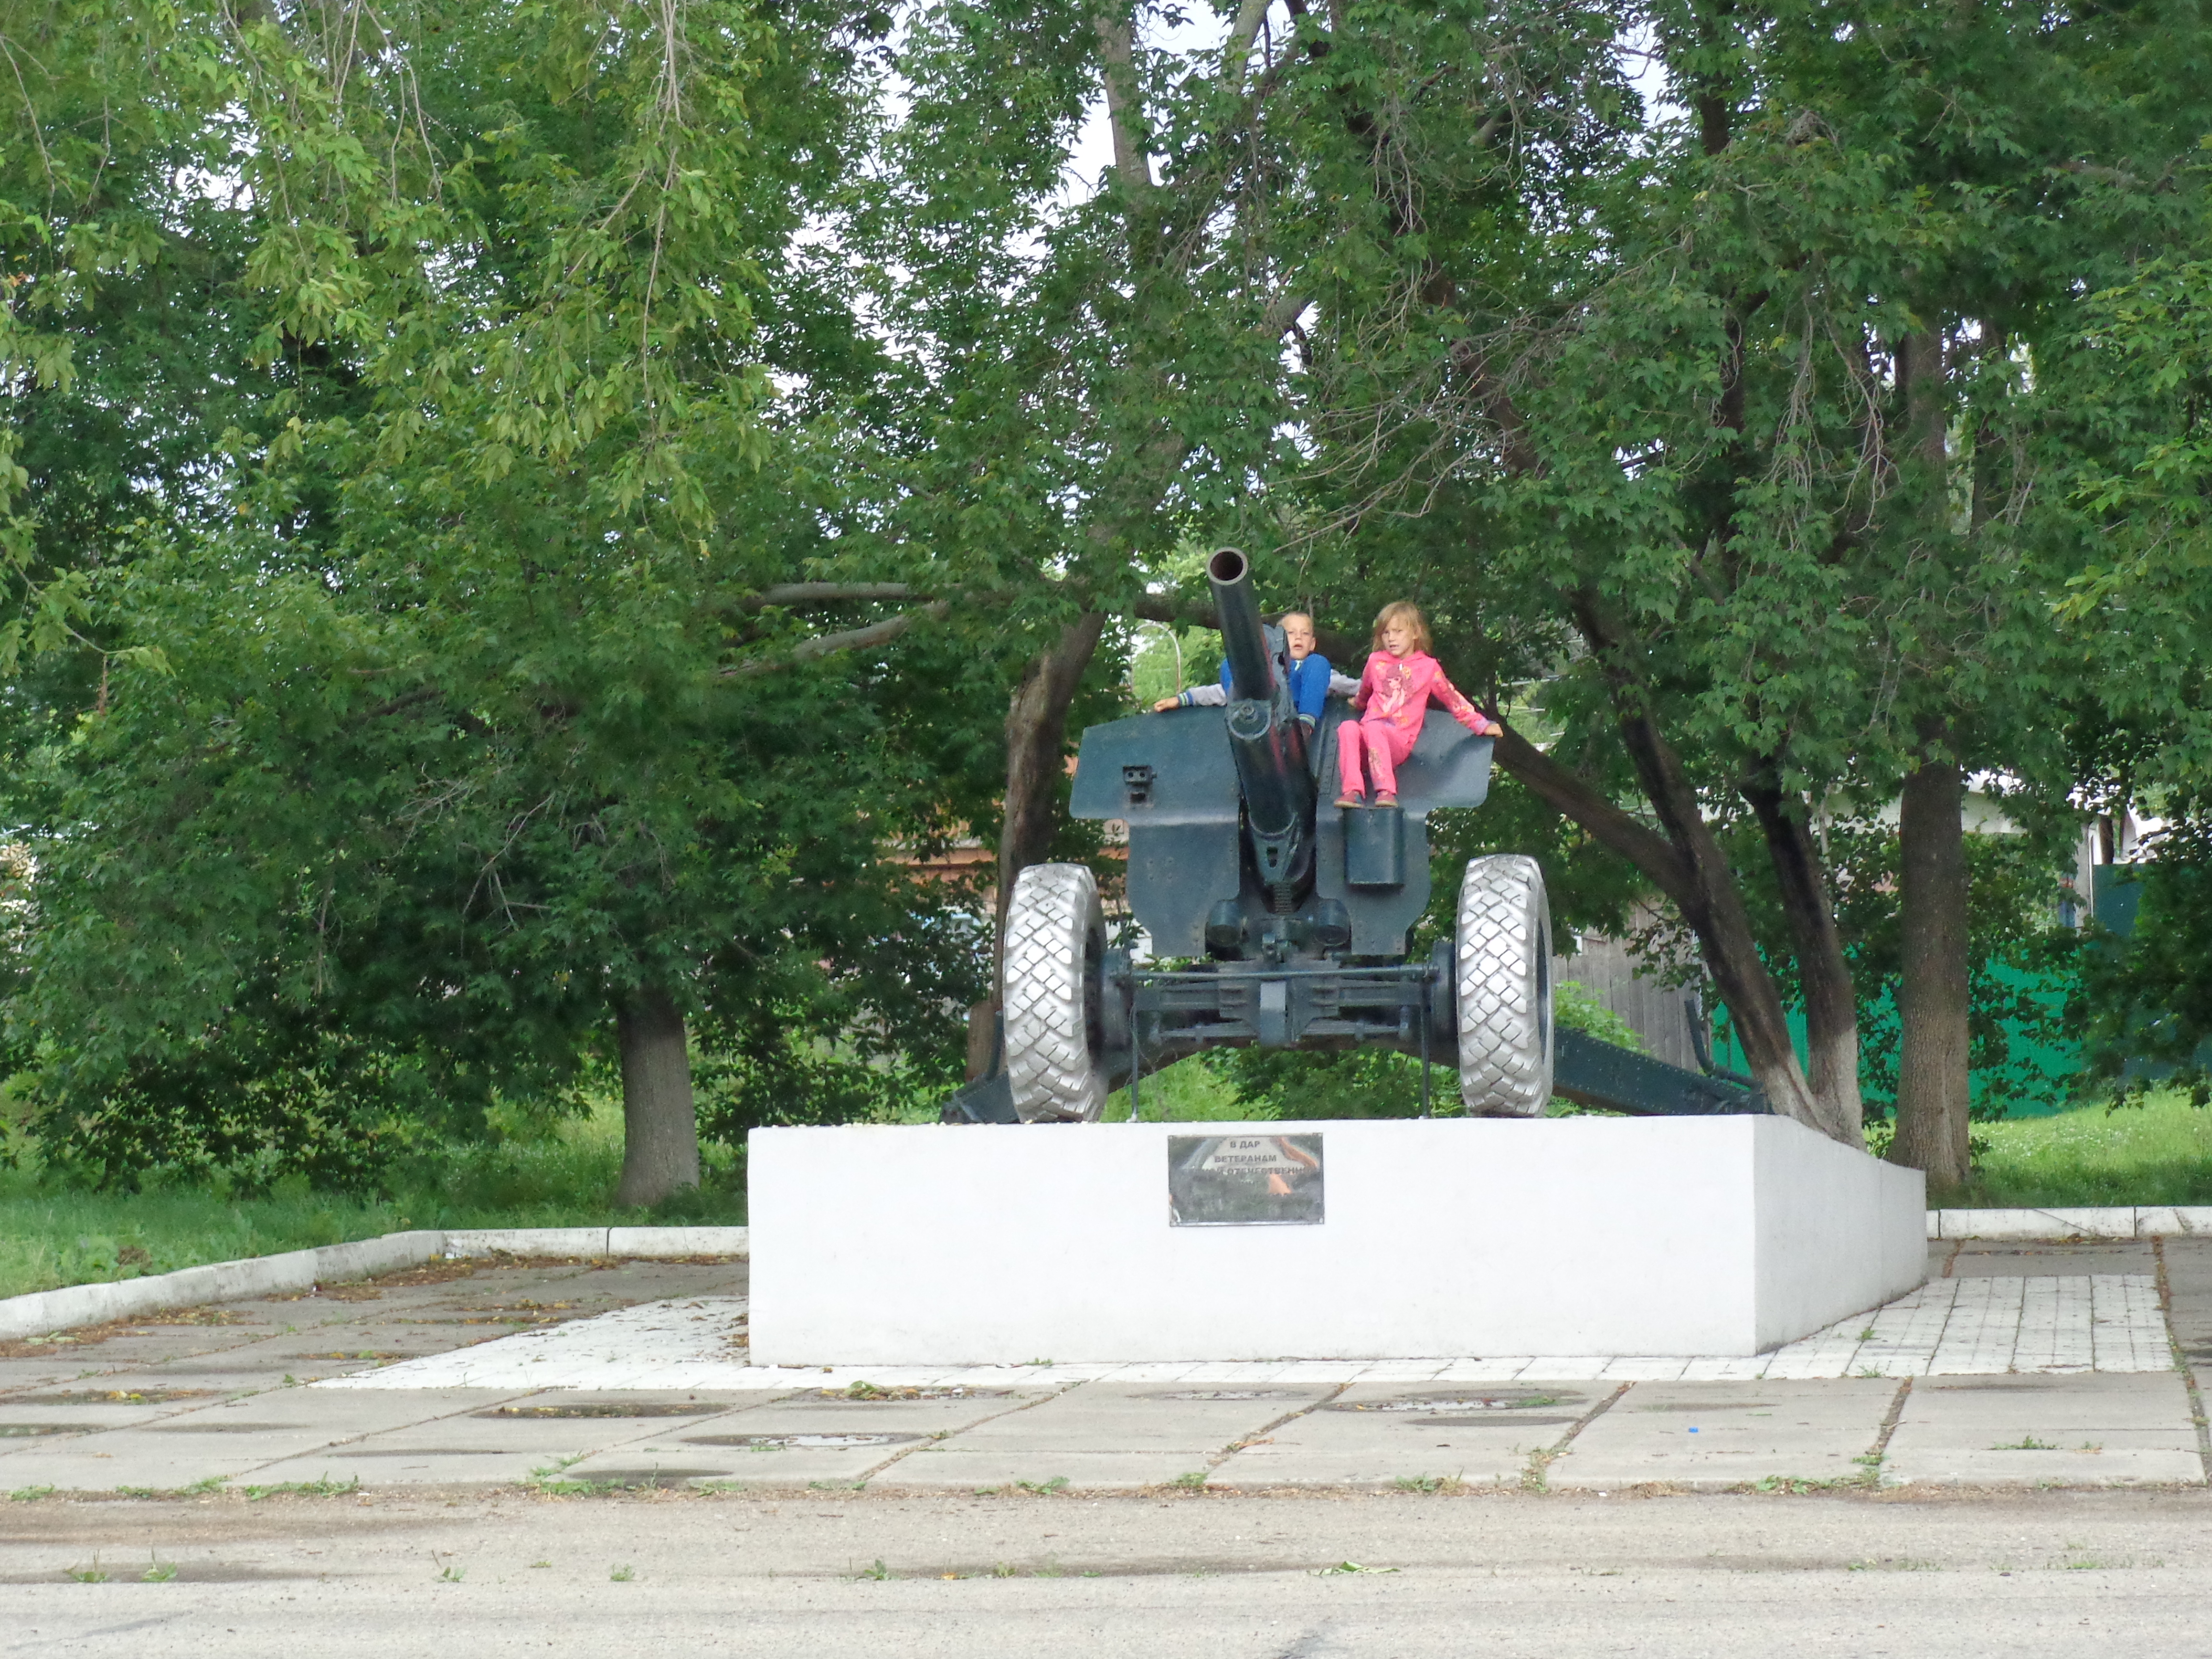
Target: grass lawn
x,y
52,1236
2158,1152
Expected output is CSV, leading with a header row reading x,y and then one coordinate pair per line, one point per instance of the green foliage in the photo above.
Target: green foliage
x,y
449,716
2147,998
1167,660
1576,1009
1735,427
1269,1083
1285,1083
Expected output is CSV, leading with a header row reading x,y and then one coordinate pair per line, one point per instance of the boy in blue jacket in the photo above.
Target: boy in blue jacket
x,y
1310,676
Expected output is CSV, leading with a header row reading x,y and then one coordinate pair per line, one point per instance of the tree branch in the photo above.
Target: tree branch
x,y
1117,54
1569,793
790,594
1238,52
853,639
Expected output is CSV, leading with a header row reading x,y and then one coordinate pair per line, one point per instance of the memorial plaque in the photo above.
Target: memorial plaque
x,y
1244,1181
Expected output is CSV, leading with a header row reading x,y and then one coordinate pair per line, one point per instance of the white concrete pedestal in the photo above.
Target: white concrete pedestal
x,y
1568,1236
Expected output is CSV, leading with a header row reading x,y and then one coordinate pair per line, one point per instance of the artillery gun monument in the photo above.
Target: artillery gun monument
x,y
1700,1225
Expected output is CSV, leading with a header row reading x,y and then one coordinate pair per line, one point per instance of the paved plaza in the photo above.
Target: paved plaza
x,y
2002,1465
2016,1366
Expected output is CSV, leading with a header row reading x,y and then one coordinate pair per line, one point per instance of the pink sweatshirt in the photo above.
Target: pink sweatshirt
x,y
1397,691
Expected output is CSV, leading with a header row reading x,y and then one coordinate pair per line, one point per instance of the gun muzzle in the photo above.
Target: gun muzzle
x,y
1265,736
1243,640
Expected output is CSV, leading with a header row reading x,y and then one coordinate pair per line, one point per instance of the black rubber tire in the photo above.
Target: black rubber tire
x,y
1502,973
1051,991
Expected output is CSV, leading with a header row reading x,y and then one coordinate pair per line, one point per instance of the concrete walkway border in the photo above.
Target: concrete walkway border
x,y
43,1311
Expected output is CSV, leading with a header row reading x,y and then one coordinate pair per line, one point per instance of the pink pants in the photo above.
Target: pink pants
x,y
1385,744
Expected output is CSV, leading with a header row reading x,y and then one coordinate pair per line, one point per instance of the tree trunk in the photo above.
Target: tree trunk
x,y
660,1125
1685,864
982,1039
1717,913
1933,1090
1036,728
1705,890
1832,1011
1932,1083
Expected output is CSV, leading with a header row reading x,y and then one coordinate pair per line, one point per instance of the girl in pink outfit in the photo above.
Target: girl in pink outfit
x,y
1393,696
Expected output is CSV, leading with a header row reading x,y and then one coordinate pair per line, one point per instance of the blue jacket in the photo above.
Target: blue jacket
x,y
1308,684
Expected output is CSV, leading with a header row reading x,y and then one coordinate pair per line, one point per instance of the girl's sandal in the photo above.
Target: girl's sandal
x,y
1385,800
1350,800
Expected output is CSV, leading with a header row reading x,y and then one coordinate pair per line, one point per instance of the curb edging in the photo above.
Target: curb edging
x,y
2116,1222
74,1305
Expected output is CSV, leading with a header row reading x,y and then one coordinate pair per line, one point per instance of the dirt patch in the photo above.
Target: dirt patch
x,y
110,1397
91,1336
190,1316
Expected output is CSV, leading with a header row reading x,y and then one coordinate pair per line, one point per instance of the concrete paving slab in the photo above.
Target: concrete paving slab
x,y
1107,1435
41,1415
2189,1285
418,1312
1980,1260
2090,1429
1377,1436
639,1346
839,1457
502,1441
228,1441
819,1436
138,1344
1716,1435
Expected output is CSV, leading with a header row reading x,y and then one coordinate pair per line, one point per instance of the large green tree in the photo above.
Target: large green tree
x,y
1724,405
485,695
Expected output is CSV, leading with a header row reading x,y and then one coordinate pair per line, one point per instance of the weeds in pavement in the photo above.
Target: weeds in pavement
x,y
1446,1484
1798,1486
324,1487
1537,1477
